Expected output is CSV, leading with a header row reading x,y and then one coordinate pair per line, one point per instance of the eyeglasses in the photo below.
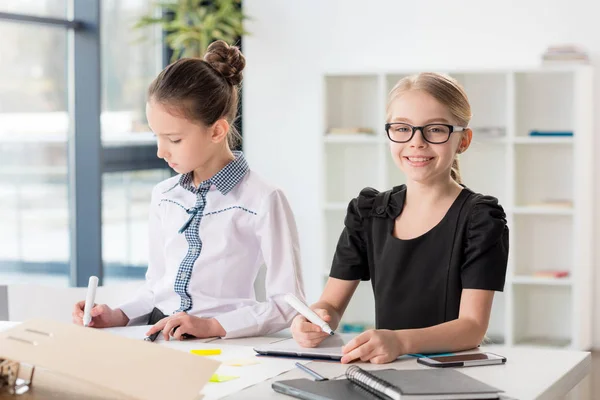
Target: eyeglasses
x,y
400,132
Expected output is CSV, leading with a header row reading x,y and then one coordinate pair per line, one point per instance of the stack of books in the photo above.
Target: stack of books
x,y
565,54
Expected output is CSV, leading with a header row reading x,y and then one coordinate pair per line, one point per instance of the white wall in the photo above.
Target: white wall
x,y
294,42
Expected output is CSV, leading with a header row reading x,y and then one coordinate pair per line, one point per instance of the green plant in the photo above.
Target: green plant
x,y
191,25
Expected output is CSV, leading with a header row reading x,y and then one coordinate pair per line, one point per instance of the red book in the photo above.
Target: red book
x,y
551,274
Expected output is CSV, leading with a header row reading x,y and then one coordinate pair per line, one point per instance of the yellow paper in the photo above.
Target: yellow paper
x,y
241,362
206,352
222,378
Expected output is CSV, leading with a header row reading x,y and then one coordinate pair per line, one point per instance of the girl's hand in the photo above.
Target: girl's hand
x,y
102,316
308,334
182,323
376,346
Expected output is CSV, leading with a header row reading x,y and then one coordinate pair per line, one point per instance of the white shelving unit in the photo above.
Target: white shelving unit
x,y
543,183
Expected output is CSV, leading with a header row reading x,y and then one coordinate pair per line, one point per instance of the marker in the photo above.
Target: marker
x,y
317,376
152,337
307,313
89,300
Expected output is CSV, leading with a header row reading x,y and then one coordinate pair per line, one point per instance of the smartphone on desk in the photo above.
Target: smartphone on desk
x,y
463,360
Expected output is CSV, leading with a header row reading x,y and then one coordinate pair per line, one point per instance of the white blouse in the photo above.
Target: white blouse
x,y
207,245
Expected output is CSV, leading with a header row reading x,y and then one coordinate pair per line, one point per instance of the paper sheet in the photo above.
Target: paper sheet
x,y
262,369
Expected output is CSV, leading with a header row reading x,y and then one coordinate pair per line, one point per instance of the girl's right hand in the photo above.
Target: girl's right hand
x,y
308,334
102,316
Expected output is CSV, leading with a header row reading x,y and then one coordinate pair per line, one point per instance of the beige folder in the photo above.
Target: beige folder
x,y
97,364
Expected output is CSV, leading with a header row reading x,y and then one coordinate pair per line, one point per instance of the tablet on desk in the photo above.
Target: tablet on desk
x,y
329,349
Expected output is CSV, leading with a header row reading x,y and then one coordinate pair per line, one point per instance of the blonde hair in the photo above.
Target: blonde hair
x,y
445,90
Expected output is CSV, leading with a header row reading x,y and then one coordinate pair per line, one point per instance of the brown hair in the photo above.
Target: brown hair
x,y
203,90
445,90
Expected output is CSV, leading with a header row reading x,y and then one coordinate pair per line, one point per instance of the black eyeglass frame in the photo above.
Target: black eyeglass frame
x,y
453,128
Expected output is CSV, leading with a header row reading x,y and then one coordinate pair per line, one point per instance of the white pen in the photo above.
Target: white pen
x,y
307,313
89,300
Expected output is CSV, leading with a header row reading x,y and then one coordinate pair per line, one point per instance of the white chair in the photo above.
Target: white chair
x,y
24,302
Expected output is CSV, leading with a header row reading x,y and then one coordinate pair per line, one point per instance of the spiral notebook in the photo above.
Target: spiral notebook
x,y
390,384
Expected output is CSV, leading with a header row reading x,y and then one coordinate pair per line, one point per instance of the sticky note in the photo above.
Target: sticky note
x,y
222,378
241,362
206,352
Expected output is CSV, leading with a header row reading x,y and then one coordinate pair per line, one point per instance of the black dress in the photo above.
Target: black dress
x,y
418,282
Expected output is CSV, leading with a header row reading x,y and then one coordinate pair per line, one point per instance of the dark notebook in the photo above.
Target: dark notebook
x,y
410,384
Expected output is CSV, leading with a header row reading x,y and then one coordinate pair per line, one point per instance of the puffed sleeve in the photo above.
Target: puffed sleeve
x,y
350,261
486,249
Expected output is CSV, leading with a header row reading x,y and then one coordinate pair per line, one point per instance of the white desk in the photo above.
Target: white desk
x,y
528,374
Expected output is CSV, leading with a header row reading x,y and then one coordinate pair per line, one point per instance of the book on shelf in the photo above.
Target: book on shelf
x,y
551,133
551,274
357,130
552,203
490,131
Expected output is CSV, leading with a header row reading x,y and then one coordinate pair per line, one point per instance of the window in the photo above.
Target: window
x,y
130,61
131,166
34,222
41,8
39,211
125,210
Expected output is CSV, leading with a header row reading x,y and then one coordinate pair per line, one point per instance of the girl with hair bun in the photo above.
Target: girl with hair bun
x,y
214,224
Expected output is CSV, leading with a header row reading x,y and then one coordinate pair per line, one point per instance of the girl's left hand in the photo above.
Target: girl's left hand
x,y
182,323
376,346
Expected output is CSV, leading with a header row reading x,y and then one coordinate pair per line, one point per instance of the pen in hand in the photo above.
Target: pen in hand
x,y
309,314
153,337
89,300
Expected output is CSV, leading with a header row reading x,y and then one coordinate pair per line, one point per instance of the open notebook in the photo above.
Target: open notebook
x,y
417,384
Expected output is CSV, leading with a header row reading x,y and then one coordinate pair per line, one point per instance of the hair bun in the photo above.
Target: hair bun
x,y
226,60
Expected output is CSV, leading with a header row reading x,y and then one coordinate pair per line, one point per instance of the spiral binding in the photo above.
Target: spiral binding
x,y
371,383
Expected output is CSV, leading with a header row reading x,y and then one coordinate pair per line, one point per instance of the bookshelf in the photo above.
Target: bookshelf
x,y
544,184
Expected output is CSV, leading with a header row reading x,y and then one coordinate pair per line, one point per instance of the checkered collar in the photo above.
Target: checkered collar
x,y
225,180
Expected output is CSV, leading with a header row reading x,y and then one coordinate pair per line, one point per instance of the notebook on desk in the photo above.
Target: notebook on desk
x,y
427,384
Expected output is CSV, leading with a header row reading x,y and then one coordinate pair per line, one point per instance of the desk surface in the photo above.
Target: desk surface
x,y
529,373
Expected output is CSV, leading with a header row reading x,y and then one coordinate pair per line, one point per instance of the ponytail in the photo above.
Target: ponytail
x,y
455,171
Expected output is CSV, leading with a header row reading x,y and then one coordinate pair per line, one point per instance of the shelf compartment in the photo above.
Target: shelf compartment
x,y
350,168
351,103
542,243
487,110
544,175
544,101
478,156
542,315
